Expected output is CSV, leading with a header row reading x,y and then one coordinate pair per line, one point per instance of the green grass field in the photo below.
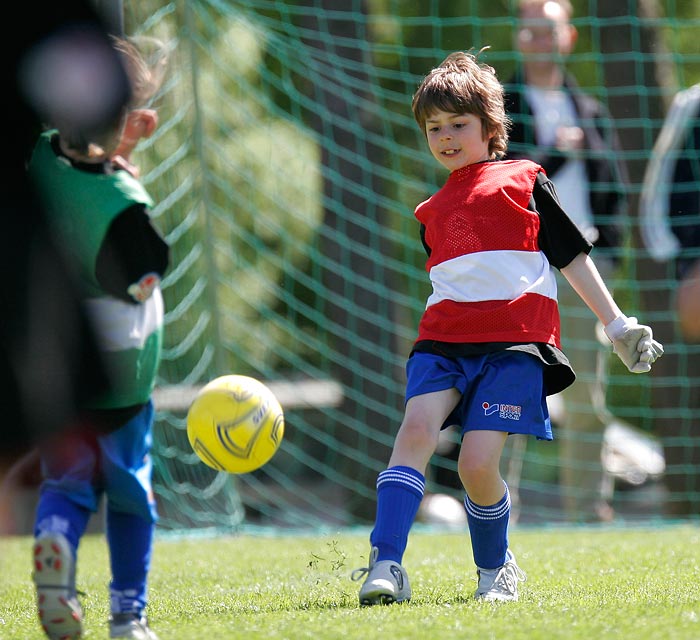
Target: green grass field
x,y
583,584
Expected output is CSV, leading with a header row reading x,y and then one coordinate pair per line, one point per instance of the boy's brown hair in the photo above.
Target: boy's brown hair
x,y
462,84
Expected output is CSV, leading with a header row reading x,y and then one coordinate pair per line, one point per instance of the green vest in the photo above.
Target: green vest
x,y
82,206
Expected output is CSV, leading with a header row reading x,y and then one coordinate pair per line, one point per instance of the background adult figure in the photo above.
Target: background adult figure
x,y
670,228
570,134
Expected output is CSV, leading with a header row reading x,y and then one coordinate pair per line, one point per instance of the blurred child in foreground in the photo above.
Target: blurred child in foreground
x,y
100,213
41,395
488,349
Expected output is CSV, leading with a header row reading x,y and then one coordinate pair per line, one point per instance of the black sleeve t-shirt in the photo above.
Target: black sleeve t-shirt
x,y
561,241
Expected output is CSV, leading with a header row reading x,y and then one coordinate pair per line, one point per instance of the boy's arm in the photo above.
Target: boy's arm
x,y
583,276
632,342
133,256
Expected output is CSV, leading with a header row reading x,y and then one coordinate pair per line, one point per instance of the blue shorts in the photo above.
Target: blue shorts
x,y
117,465
501,391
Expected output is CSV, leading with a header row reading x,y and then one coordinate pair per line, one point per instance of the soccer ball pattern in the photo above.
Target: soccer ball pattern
x,y
235,424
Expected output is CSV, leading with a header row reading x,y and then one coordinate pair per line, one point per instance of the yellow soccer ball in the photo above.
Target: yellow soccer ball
x,y
235,424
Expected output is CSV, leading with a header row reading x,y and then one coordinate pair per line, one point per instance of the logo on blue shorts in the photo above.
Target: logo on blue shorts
x,y
505,411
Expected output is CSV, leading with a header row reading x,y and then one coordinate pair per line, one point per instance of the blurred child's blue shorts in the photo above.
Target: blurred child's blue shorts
x,y
118,465
501,391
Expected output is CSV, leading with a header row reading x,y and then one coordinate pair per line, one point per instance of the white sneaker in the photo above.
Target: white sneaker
x,y
502,583
130,625
386,582
54,576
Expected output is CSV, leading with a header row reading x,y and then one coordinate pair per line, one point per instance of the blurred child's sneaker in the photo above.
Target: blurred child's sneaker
x,y
130,625
54,576
502,583
386,582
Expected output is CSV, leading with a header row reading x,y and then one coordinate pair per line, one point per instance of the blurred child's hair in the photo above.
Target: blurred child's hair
x,y
461,84
145,61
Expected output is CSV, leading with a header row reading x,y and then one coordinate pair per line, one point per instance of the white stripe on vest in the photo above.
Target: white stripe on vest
x,y
492,275
122,325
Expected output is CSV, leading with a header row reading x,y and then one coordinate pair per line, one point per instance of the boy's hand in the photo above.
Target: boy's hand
x,y
634,343
143,289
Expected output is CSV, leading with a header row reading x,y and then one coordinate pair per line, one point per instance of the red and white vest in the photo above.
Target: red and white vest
x,y
491,282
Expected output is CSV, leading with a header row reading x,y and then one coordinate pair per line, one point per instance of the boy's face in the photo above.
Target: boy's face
x,y
456,139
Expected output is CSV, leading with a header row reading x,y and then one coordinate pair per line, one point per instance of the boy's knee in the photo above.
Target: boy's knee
x,y
474,471
418,434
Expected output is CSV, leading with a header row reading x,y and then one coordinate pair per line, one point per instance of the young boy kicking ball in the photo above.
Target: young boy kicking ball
x,y
488,351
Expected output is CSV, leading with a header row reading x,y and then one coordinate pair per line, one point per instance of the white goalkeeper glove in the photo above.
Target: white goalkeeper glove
x,y
634,343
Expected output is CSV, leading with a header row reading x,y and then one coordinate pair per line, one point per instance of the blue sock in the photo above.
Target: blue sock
x,y
399,494
57,513
488,528
130,540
